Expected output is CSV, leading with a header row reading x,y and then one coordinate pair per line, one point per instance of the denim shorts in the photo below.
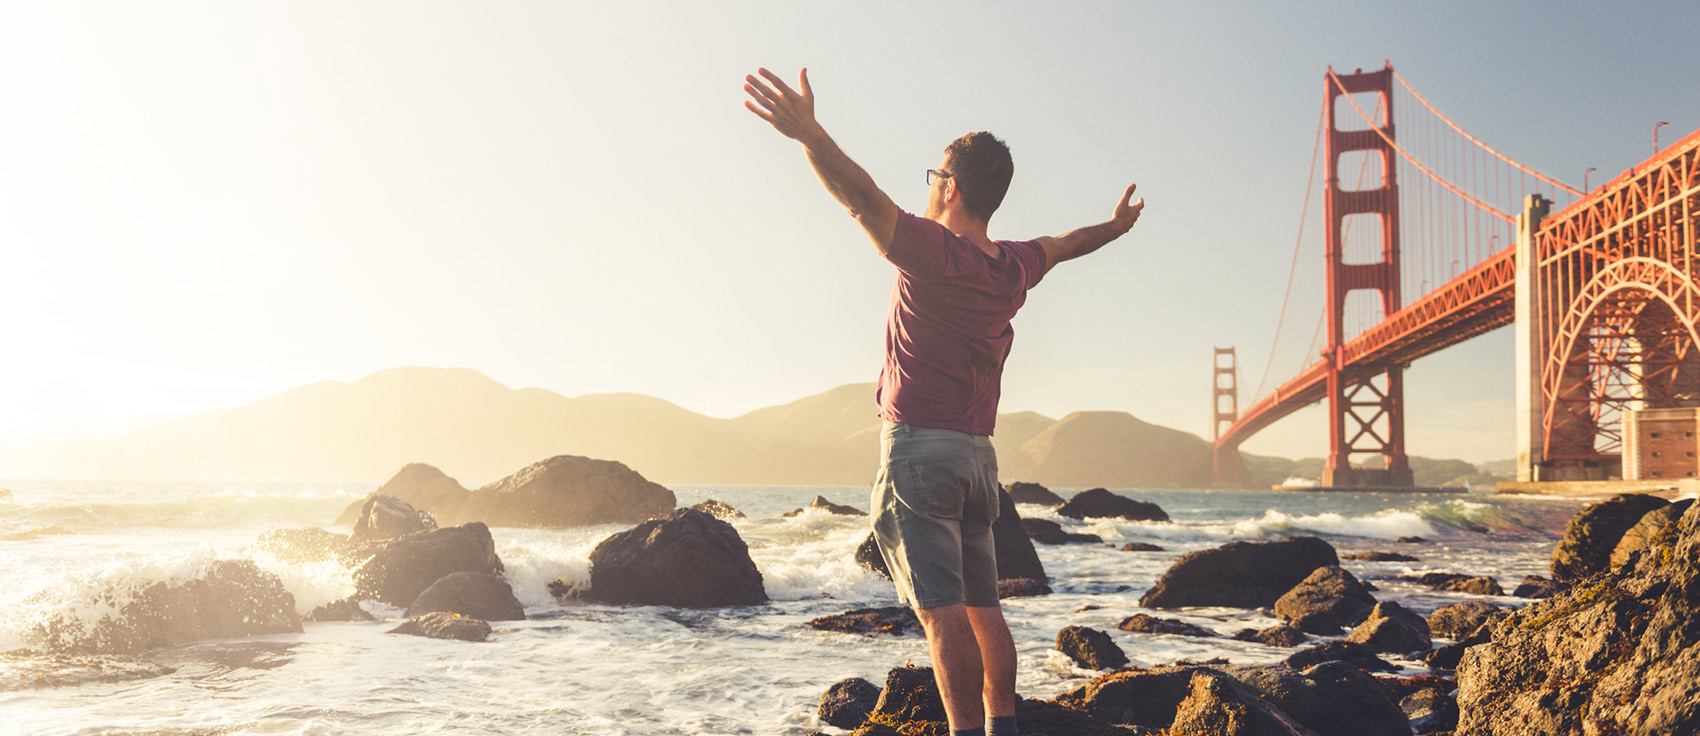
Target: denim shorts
x,y
934,501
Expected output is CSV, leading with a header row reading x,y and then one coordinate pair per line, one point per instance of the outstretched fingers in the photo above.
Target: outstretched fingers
x,y
777,82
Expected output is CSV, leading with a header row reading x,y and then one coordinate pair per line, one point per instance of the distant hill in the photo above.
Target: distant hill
x,y
478,430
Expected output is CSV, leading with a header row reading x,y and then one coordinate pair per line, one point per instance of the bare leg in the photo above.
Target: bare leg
x,y
956,663
997,654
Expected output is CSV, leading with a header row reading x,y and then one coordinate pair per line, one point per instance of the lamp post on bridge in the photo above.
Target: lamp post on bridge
x,y
1592,169
1656,137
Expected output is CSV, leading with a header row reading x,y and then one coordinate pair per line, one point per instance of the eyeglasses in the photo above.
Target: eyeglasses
x,y
936,174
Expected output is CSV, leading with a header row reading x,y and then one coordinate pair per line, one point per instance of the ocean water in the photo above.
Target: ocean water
x,y
78,548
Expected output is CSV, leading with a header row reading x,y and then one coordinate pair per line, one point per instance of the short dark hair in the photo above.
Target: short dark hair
x,y
981,166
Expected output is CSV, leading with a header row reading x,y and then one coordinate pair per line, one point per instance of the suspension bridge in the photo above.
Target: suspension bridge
x,y
1601,286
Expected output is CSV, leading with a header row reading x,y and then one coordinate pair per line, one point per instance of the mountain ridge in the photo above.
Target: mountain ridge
x,y
475,428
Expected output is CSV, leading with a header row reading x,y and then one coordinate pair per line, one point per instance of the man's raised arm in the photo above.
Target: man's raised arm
x,y
1077,243
792,113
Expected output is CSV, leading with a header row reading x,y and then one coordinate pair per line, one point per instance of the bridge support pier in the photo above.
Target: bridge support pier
x,y
1530,352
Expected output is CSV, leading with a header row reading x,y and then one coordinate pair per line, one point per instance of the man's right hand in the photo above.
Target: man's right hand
x,y
790,112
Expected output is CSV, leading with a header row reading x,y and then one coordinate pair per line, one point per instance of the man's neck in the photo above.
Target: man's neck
x,y
974,230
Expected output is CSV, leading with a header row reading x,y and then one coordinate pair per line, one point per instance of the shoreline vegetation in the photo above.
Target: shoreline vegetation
x,y
1604,645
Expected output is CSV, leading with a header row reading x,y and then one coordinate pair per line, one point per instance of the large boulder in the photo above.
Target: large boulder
x,y
1101,503
405,567
848,702
1392,628
567,490
1327,600
1458,620
1239,574
1430,710
1034,493
476,594
1045,531
296,546
1616,654
1595,531
1281,635
1352,653
824,506
1139,697
1536,586
387,517
1015,553
1090,648
422,487
1218,705
911,694
689,559
232,598
445,625
1332,698
1652,525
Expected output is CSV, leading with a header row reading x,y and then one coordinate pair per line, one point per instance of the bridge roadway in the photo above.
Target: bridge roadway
x,y
1477,301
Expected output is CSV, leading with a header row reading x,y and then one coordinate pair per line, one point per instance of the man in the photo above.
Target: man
x,y
948,333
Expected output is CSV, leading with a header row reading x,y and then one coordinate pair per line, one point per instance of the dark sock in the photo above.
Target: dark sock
x,y
968,731
1003,726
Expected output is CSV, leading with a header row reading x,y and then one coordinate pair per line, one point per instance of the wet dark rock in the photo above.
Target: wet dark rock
x,y
1430,711
1458,583
1392,628
718,509
422,487
387,517
1653,525
1022,588
1090,648
1282,635
1239,574
911,694
1141,547
1331,699
689,559
405,567
1327,600
1034,493
1446,656
869,558
1040,717
848,702
1618,653
1411,540
894,620
1015,553
1378,557
1101,503
1145,623
1143,697
479,595
568,490
235,598
1536,586
444,625
1351,653
1045,531
821,504
1457,620
563,591
1595,531
1218,705
1088,607
296,546
347,609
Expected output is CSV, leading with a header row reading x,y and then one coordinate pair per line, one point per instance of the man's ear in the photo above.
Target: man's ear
x,y
950,193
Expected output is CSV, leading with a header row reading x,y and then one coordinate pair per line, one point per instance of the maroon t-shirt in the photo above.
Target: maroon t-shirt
x,y
948,332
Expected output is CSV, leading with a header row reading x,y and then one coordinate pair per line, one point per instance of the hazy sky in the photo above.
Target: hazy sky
x,y
202,204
